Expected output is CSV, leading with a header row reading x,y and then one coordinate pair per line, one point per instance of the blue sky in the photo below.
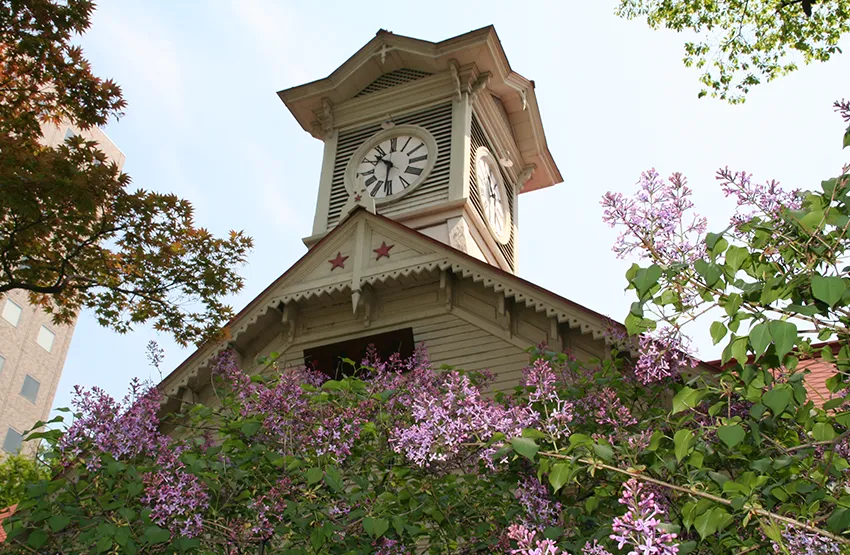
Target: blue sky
x,y
204,122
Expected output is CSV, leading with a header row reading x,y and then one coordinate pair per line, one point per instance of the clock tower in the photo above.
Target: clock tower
x,y
441,137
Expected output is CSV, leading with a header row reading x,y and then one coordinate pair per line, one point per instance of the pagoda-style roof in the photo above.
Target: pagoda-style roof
x,y
409,57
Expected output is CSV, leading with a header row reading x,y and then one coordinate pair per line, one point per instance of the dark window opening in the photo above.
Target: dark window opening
x,y
329,358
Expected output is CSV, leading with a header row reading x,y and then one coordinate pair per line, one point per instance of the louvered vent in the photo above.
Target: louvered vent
x,y
392,79
438,121
479,139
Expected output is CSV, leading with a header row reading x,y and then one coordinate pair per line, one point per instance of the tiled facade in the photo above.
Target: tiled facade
x,y
32,347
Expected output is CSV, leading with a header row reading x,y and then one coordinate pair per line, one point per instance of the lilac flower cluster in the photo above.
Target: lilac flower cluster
x,y
387,546
269,508
656,221
124,429
640,528
800,542
528,544
541,511
594,549
559,413
176,497
449,418
768,199
663,354
607,408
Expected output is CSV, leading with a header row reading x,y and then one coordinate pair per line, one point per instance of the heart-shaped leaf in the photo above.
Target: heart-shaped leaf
x,y
784,336
731,435
828,289
777,399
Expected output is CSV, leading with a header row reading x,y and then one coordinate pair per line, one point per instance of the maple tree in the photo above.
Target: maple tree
x,y
738,44
72,233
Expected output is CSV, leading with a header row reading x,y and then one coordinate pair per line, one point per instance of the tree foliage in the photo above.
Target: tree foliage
x,y
739,44
16,471
72,234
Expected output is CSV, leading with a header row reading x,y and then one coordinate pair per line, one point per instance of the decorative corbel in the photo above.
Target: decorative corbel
x,y
383,53
288,318
479,84
523,93
554,334
455,69
525,175
446,278
324,123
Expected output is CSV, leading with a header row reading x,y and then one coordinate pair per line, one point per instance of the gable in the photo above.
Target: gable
x,y
372,275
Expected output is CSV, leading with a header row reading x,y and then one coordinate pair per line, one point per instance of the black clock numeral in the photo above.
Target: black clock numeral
x,y
370,172
381,151
373,162
407,142
393,144
415,149
404,182
414,171
376,188
417,159
371,180
388,187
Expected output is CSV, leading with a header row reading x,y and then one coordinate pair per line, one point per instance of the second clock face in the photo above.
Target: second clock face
x,y
491,190
394,165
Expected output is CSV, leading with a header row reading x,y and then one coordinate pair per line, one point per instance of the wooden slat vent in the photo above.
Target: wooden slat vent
x,y
438,121
393,79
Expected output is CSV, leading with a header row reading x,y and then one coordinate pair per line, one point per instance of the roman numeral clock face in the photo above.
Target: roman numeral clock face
x,y
493,195
394,164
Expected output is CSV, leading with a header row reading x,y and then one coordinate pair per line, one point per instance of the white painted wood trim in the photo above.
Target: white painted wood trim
x,y
320,220
461,147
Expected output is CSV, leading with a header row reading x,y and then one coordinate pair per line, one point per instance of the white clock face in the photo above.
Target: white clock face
x,y
493,196
394,165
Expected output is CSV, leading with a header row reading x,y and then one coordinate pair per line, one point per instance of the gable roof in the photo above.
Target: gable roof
x,y
415,253
388,52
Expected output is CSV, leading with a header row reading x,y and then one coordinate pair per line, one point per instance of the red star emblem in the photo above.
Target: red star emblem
x,y
338,262
358,198
383,250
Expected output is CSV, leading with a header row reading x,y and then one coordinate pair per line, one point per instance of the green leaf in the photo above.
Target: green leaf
x,y
739,350
733,303
525,446
705,524
839,520
559,475
682,443
731,435
784,336
777,399
646,278
58,522
718,332
759,338
823,431
154,535
250,427
735,258
846,142
710,271
687,398
711,239
314,475
604,452
37,538
828,289
375,527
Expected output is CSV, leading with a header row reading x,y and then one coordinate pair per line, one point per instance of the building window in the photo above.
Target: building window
x,y
12,312
45,338
13,442
329,358
29,390
2,362
69,134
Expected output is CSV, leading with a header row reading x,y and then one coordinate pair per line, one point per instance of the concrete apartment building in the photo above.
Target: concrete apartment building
x,y
32,347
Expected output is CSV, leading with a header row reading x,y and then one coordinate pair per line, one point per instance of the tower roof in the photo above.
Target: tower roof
x,y
388,52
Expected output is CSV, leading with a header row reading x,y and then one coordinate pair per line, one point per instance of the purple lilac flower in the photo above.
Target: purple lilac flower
x,y
270,507
656,221
594,549
176,497
528,544
124,429
387,546
559,413
541,511
640,528
663,354
448,419
800,542
768,199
